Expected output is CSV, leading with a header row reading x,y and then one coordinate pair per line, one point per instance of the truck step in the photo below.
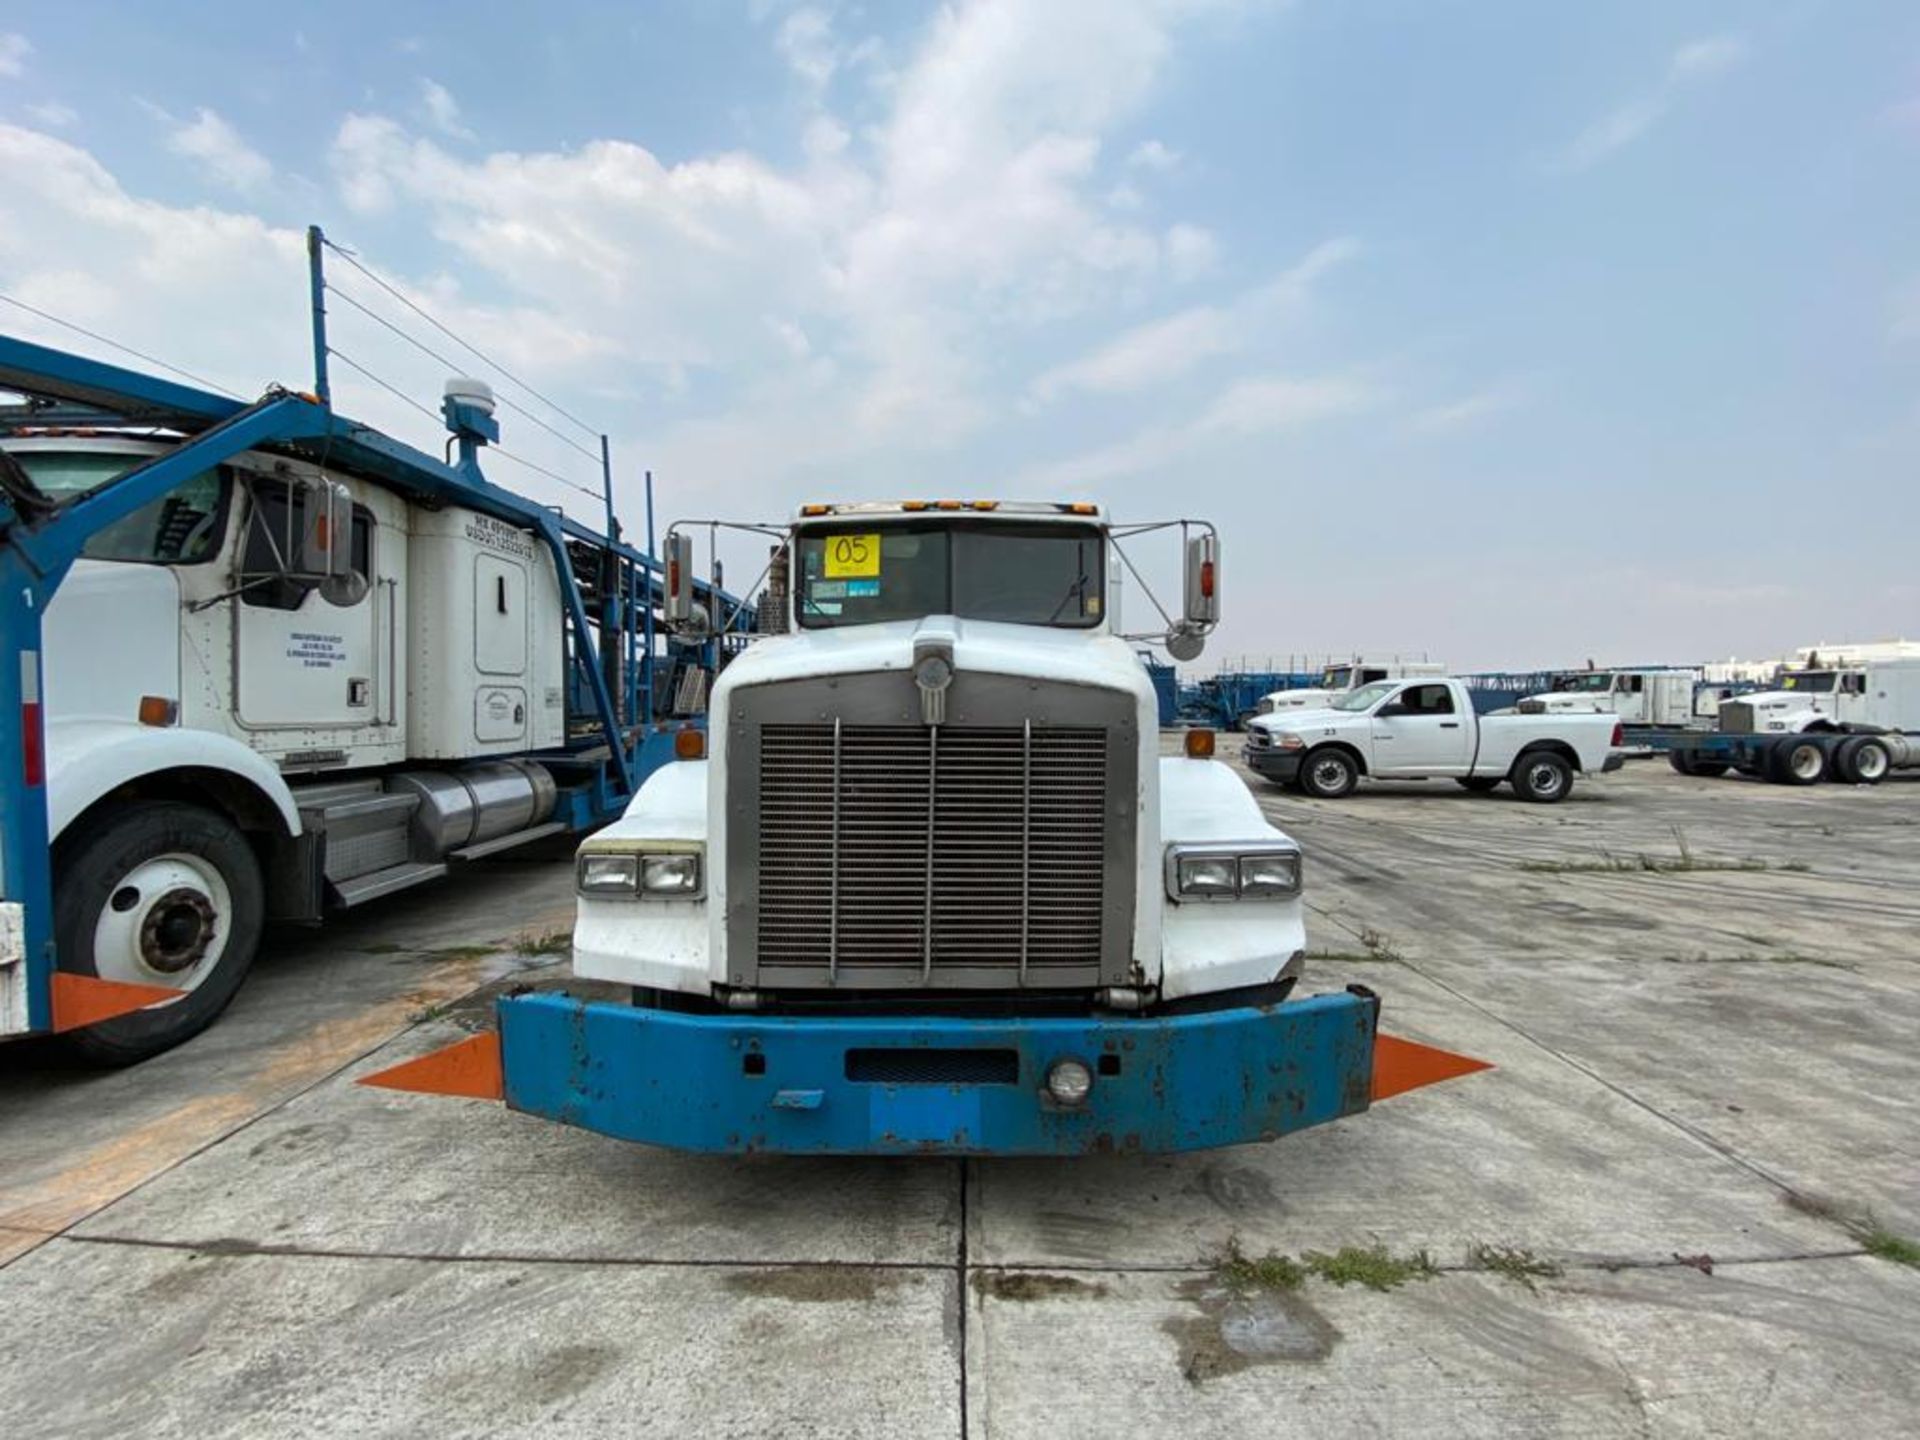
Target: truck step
x,y
363,888
507,842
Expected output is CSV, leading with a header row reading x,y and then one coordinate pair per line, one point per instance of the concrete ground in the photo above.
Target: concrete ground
x,y
1704,1105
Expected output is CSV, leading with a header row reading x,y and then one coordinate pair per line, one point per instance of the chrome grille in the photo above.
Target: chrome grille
x,y
1737,718
914,848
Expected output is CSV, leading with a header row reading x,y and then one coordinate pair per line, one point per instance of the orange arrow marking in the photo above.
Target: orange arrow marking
x,y
82,1000
469,1068
1401,1065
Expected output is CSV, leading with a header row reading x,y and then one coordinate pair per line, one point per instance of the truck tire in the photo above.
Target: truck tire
x,y
1688,763
1542,777
1478,784
1861,760
1329,774
1681,762
1797,762
157,893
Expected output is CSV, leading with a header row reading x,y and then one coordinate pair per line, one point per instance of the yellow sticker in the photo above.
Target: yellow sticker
x,y
850,556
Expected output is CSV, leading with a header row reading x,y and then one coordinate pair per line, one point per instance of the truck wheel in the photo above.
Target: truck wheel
x,y
1542,777
1478,784
1329,774
1681,762
1797,762
157,894
1861,760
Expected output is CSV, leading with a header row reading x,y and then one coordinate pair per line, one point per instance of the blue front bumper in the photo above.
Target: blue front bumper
x,y
863,1085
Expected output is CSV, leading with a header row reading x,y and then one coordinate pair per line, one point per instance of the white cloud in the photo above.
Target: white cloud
x,y
1257,405
1153,155
1469,410
806,43
1634,118
53,114
1191,251
218,146
1162,350
442,110
14,50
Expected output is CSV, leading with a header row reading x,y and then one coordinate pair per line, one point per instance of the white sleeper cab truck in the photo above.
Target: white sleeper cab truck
x,y
1427,729
1855,724
1338,679
1660,698
934,888
307,672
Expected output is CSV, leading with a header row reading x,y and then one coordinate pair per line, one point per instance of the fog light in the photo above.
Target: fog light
x,y
1069,1082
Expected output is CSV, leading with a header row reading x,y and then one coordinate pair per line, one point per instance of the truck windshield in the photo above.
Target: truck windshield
x,y
1365,698
1338,677
1818,681
1596,683
182,527
994,570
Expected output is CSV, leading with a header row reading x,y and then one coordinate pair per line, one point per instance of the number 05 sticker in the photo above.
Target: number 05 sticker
x,y
852,556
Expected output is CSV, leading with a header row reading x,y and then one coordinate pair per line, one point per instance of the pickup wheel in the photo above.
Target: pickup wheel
x,y
157,894
1797,762
1542,777
1329,774
1478,784
1861,760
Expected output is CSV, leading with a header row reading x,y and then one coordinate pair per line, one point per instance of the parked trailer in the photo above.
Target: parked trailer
x,y
265,663
1802,759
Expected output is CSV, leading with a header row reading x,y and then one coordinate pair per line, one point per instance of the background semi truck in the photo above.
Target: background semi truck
x,y
269,663
1337,679
1855,724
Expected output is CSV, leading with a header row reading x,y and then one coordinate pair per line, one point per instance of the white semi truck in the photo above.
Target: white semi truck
x,y
272,664
1339,678
934,888
1650,698
1855,723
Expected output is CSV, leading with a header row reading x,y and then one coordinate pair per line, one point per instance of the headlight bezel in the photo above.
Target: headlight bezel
x,y
637,857
1233,856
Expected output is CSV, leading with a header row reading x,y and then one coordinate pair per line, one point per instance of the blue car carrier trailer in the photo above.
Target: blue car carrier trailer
x,y
157,807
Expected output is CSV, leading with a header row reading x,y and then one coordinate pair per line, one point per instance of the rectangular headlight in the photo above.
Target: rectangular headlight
x,y
1232,872
670,874
608,874
1276,874
1202,876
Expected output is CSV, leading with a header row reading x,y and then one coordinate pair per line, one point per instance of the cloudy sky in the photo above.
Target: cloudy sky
x,y
1505,332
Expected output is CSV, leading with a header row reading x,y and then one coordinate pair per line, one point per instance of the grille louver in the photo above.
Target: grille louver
x,y
901,847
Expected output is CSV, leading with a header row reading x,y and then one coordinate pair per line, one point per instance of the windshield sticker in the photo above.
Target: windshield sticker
x,y
828,589
825,607
1092,605
853,555
862,589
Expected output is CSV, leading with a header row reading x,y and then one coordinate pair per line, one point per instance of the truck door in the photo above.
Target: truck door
x,y
1419,732
1630,698
305,643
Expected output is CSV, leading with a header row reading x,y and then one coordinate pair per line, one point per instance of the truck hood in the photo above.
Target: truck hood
x,y
1074,656
1561,702
1783,699
1293,719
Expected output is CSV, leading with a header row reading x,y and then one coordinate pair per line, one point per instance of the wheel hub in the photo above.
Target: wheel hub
x,y
177,930
1545,779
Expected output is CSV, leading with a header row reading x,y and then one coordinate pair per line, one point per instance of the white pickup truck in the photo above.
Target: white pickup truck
x,y
1426,729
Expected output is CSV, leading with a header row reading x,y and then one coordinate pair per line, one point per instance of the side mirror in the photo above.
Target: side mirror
x,y
679,579
325,558
1203,581
1391,709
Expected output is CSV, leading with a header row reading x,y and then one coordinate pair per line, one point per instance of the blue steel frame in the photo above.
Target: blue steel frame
x,y
38,549
744,1083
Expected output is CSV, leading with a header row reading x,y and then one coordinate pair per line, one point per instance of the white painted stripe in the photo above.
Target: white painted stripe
x,y
30,677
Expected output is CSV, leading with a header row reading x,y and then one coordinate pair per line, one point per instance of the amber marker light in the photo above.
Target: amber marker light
x,y
690,745
1200,744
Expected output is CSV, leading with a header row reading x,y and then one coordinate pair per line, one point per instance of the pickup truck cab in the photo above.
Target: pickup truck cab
x,y
1426,729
